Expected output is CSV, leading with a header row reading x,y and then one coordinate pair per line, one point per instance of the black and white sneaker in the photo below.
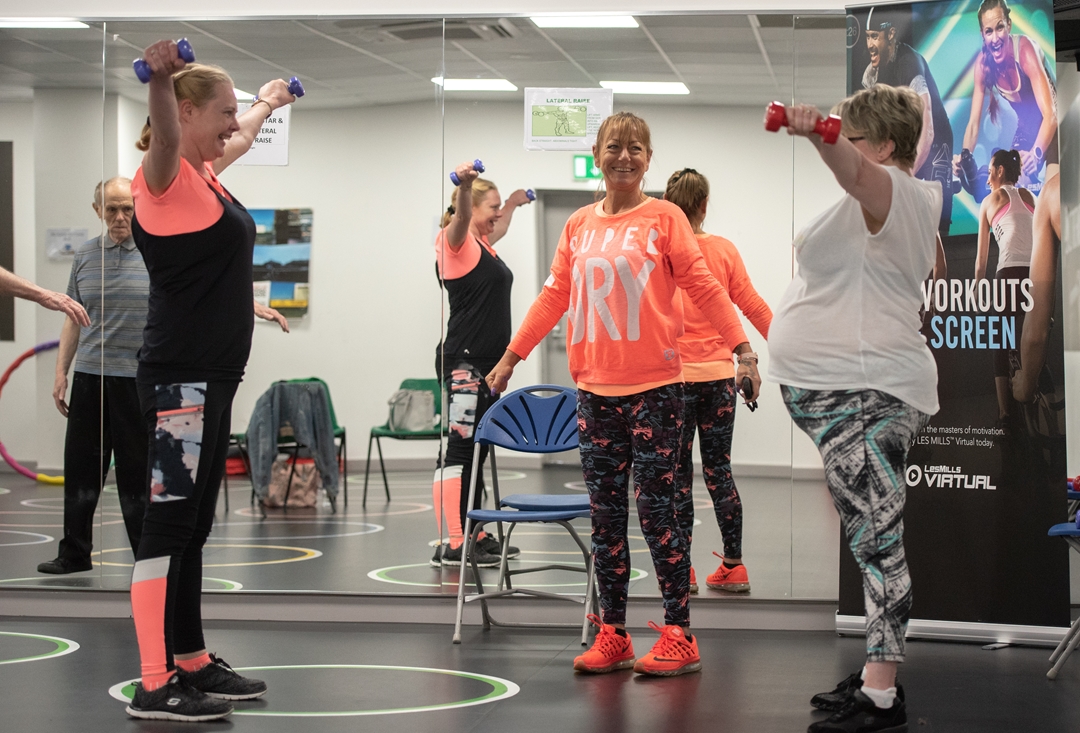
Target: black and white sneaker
x,y
219,680
452,557
491,546
436,559
860,715
176,701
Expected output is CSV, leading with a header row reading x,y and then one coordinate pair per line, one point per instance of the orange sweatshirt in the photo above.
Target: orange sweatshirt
x,y
706,355
618,277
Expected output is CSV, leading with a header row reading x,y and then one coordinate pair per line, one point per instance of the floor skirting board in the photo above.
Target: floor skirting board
x,y
741,613
1048,636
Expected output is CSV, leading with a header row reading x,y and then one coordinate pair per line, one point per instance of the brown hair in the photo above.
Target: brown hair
x,y
990,72
196,83
1010,161
688,190
480,188
882,113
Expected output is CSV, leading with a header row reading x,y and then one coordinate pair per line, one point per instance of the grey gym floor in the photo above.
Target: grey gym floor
x,y
385,548
751,681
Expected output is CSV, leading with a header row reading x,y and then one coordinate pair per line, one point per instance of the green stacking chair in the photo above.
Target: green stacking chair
x,y
384,431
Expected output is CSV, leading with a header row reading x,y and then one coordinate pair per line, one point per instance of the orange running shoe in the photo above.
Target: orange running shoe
x,y
671,655
693,581
610,651
733,580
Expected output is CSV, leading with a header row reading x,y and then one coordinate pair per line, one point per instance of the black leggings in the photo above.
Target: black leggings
x,y
186,465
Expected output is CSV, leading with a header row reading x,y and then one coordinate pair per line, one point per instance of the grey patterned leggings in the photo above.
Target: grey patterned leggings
x,y
863,437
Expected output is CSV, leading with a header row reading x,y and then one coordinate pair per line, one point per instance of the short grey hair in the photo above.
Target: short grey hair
x,y
882,113
102,185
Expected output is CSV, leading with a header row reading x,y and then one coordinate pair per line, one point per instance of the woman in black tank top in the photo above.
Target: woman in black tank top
x,y
477,284
196,240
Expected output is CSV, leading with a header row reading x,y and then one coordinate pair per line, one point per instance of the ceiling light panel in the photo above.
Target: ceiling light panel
x,y
645,87
584,21
475,85
52,23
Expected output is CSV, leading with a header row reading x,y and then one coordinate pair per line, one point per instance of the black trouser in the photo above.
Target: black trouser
x,y
184,492
103,418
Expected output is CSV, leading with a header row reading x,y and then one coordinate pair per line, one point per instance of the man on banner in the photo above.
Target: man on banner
x,y
899,65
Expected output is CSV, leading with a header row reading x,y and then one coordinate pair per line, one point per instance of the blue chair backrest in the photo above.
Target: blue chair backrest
x,y
525,421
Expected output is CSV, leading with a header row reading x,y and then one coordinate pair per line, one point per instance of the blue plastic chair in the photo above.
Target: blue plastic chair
x,y
527,422
1071,532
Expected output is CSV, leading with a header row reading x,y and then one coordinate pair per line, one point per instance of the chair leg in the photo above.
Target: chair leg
x,y
225,480
367,470
1064,649
461,584
345,469
495,487
382,467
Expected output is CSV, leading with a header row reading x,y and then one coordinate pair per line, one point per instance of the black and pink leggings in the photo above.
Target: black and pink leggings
x,y
640,431
710,412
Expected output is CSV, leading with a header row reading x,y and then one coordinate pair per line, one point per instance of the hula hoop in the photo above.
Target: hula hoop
x,y
53,480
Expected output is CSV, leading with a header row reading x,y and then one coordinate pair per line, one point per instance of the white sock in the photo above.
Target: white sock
x,y
882,698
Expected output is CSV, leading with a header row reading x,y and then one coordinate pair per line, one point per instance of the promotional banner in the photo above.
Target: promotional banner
x,y
281,259
986,477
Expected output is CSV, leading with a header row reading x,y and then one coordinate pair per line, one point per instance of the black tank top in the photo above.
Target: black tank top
x,y
201,309
478,330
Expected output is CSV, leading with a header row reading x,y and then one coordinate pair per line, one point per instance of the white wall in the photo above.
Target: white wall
x,y
18,405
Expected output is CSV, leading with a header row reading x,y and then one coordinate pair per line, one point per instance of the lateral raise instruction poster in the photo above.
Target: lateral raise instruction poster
x,y
986,478
281,259
564,119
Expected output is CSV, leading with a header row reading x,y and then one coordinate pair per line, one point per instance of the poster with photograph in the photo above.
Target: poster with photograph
x,y
564,119
281,259
986,477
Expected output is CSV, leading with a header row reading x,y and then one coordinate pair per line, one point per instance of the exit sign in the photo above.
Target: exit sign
x,y
584,170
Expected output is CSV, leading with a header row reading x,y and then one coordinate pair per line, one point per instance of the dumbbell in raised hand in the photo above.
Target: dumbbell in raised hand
x,y
776,117
183,49
530,195
477,166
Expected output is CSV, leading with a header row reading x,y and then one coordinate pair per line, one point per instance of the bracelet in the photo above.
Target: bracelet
x,y
748,357
264,102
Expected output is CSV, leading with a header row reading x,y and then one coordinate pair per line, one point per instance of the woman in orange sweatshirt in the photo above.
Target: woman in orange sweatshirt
x,y
709,388
617,269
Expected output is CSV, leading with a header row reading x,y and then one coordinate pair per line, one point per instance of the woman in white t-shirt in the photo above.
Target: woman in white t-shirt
x,y
855,373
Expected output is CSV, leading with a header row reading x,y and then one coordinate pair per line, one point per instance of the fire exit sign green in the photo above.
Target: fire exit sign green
x,y
584,170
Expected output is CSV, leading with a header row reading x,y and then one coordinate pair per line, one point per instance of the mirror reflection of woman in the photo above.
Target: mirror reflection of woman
x,y
197,241
1008,212
1015,67
709,388
616,269
477,283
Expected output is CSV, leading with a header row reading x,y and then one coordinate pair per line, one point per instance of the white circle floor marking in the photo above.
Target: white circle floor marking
x,y
41,538
306,553
53,511
383,575
370,529
501,689
63,646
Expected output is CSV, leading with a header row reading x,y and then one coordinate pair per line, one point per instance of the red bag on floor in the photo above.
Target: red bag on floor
x,y
234,466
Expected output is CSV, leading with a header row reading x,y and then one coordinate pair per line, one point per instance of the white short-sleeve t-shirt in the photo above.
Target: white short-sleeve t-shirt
x,y
850,317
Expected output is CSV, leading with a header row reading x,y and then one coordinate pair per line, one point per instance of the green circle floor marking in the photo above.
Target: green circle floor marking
x,y
500,690
63,646
383,575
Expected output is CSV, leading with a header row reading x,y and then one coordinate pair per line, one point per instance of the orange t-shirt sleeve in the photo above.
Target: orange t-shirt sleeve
x,y
743,294
690,272
451,264
550,305
187,205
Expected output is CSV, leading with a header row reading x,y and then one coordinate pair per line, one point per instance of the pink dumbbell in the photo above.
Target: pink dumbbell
x,y
776,117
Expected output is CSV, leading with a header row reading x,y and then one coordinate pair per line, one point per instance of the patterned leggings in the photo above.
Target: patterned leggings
x,y
710,411
863,437
639,431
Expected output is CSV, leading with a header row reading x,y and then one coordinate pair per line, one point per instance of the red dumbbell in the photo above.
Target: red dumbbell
x,y
776,117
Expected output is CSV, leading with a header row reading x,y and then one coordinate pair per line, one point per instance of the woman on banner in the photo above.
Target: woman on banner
x,y
856,374
709,388
1045,251
477,283
1015,67
617,267
1007,211
197,241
